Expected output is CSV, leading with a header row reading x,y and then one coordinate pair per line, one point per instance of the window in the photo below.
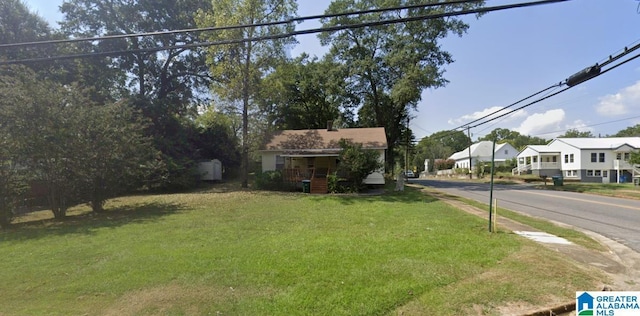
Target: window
x,y
571,173
618,156
535,158
279,162
597,173
566,158
605,173
571,158
506,151
594,157
601,156
589,173
554,159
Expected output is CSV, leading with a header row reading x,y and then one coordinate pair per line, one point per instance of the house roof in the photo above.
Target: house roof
x,y
479,149
323,140
600,143
541,149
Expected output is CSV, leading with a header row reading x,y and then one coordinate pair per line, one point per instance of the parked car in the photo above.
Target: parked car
x,y
409,174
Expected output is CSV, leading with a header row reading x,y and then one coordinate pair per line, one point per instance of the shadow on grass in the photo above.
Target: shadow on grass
x,y
409,196
88,223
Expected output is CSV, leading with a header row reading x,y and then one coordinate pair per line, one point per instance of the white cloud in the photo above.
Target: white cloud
x,y
539,123
488,111
579,125
619,103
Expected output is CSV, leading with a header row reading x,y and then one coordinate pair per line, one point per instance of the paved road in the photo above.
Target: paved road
x,y
617,219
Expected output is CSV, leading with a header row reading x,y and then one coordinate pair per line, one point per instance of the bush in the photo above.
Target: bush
x,y
271,180
337,184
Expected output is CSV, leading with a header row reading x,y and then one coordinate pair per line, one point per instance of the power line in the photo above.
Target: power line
x,y
563,90
234,27
610,60
508,106
625,52
290,34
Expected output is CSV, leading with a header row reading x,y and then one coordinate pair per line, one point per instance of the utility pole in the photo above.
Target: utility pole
x,y
470,142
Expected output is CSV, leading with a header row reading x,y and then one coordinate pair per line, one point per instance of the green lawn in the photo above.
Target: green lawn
x,y
623,190
260,253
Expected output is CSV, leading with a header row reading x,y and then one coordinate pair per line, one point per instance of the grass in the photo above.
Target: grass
x,y
541,224
622,190
259,253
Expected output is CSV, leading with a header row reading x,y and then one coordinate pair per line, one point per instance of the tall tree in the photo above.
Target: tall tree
x,y
167,85
390,65
240,68
305,93
19,25
173,74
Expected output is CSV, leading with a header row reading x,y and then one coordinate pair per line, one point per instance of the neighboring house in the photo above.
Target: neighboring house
x,y
482,151
600,160
312,154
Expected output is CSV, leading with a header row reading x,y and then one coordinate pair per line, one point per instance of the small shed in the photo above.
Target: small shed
x,y
210,170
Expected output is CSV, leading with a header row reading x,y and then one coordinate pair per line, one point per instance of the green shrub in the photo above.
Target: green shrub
x,y
271,180
338,185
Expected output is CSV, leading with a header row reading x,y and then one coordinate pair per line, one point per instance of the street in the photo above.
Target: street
x,y
614,218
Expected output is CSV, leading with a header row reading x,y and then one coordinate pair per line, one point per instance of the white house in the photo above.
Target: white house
x,y
482,151
600,160
312,154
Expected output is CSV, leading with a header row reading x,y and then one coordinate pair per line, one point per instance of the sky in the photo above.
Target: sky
x,y
508,55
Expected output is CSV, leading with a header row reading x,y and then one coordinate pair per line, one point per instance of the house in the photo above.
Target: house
x,y
599,160
313,154
482,151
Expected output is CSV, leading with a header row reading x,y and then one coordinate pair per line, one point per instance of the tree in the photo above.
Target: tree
x,y
518,141
240,68
390,65
175,74
305,93
113,152
575,133
19,25
633,131
39,120
79,151
166,86
439,145
217,138
357,162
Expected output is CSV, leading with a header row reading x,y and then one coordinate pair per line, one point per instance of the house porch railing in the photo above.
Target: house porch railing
x,y
520,169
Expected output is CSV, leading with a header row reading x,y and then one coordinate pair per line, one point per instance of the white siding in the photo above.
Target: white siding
x,y
269,161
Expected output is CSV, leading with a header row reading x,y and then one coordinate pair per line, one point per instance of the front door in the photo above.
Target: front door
x,y
605,176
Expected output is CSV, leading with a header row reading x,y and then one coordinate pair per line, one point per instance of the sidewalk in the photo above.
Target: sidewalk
x,y
620,263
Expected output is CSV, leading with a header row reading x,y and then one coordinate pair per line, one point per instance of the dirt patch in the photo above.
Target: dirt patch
x,y
175,299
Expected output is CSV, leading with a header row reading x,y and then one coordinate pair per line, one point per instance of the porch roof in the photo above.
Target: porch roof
x,y
310,154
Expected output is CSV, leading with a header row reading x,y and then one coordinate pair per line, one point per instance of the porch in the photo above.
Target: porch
x,y
539,164
317,176
296,168
625,171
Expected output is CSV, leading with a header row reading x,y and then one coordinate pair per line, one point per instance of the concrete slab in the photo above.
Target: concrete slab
x,y
543,237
